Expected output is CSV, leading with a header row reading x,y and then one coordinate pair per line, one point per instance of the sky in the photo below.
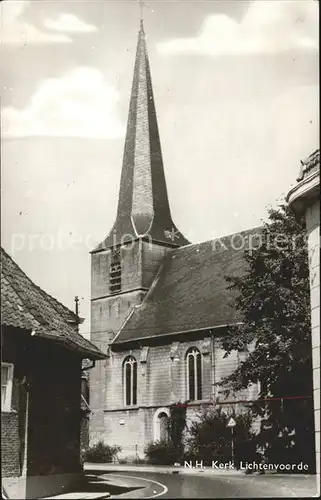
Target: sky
x,y
236,92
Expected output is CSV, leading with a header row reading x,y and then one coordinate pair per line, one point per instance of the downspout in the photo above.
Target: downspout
x,y
89,367
25,457
26,386
83,370
87,403
213,366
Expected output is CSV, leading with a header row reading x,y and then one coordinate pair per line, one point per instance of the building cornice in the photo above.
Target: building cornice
x,y
305,192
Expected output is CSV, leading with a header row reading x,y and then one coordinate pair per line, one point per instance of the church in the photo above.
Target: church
x,y
158,302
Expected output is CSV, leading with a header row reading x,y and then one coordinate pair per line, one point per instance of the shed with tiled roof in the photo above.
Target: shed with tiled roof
x,y
41,365
25,305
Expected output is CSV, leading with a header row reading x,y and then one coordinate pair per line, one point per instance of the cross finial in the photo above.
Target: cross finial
x,y
142,5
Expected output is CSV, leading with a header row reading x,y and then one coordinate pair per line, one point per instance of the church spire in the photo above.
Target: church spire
x,y
143,208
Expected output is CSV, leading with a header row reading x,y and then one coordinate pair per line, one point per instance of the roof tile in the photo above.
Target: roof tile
x,y
25,305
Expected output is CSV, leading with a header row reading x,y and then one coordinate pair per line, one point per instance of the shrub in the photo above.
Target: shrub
x,y
162,453
210,438
101,452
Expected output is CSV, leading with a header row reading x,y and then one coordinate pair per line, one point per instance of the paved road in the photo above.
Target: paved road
x,y
153,485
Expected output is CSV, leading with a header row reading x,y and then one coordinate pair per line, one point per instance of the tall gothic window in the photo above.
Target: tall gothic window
x,y
194,374
130,381
115,272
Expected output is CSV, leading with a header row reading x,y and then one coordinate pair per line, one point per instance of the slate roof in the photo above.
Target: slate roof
x,y
25,305
143,207
190,292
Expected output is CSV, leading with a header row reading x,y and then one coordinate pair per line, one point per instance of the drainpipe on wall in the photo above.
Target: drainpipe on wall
x,y
26,385
25,458
213,367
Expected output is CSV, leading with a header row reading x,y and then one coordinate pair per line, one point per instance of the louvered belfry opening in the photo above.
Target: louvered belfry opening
x,y
115,272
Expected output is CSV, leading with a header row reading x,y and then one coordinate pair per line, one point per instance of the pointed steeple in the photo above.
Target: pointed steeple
x,y
143,207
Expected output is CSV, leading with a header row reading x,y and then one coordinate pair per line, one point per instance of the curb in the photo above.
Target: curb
x,y
163,469
160,469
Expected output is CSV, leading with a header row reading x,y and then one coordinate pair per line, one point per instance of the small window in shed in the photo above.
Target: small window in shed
x,y
6,386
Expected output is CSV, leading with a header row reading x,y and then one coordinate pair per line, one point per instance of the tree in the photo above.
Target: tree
x,y
273,299
176,426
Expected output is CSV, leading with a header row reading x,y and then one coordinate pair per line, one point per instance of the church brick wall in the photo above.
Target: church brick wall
x,y
108,312
161,381
313,229
162,376
107,316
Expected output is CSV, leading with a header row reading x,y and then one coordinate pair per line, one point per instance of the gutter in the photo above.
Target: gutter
x,y
69,344
175,333
89,367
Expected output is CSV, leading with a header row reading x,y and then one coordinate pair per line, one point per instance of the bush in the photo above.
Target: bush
x,y
162,453
177,423
101,453
210,438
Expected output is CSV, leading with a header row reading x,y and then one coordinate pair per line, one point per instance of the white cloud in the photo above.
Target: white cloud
x,y
79,104
16,31
69,23
269,26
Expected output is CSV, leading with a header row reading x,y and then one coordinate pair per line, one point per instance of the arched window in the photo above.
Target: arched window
x,y
194,374
160,424
115,272
163,427
130,381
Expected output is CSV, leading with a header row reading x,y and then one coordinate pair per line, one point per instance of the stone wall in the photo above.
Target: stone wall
x,y
161,381
10,444
140,262
161,376
313,229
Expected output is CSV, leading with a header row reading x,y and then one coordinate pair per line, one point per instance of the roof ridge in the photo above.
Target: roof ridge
x,y
176,249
